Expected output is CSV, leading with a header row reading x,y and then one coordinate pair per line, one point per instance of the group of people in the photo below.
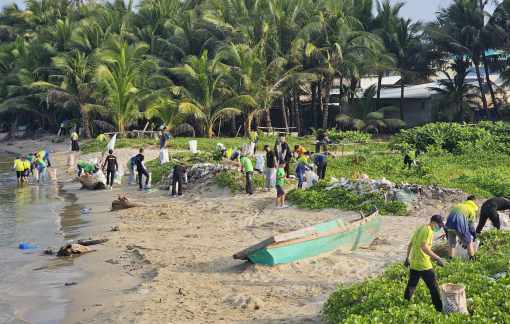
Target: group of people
x,y
35,161
459,227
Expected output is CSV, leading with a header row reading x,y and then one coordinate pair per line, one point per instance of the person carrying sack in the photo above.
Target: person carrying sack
x,y
418,261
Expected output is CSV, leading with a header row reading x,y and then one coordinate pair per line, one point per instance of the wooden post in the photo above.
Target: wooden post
x,y
343,146
377,147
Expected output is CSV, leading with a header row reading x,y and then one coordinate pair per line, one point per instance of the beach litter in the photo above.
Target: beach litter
x,y
71,283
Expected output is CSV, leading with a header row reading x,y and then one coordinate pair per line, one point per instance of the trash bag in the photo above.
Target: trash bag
x,y
245,149
333,180
193,146
52,174
503,220
163,156
35,174
259,166
251,148
459,250
453,298
311,178
111,144
406,197
99,176
70,159
118,176
150,180
220,146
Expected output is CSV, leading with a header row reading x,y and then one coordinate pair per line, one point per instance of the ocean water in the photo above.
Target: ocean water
x,y
32,284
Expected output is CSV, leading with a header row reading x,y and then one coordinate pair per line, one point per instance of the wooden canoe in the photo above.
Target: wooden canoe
x,y
315,240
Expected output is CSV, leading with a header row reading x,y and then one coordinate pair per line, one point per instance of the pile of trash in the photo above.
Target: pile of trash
x,y
201,173
404,192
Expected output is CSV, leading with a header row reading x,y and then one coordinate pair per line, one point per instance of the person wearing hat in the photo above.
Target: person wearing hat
x,y
418,261
461,224
140,167
248,170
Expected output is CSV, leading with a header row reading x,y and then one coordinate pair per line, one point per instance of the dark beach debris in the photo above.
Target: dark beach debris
x,y
71,283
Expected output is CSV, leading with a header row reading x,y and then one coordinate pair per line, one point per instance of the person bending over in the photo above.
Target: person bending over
x,y
178,179
490,210
460,224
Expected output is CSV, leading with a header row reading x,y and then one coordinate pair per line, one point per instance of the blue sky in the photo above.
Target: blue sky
x,y
423,10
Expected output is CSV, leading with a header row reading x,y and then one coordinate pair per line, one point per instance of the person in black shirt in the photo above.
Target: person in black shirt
x,y
286,155
140,167
178,178
111,167
270,171
322,138
490,210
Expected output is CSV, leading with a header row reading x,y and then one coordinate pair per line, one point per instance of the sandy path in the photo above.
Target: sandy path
x,y
187,252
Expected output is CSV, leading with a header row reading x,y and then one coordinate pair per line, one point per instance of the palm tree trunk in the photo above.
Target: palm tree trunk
x,y
290,112
489,84
402,89
326,106
268,118
247,125
314,112
480,85
319,96
379,84
298,106
86,126
233,128
352,94
460,113
284,113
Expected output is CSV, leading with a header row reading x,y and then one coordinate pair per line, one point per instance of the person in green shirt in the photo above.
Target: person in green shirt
x,y
254,138
41,166
248,170
81,165
418,261
280,179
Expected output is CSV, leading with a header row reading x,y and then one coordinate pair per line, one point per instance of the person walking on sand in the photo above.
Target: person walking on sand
x,y
418,261
254,138
248,170
74,142
19,168
131,167
280,179
460,224
111,166
270,171
40,165
490,210
179,171
140,167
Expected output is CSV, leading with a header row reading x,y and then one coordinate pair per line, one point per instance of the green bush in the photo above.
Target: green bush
x,y
381,300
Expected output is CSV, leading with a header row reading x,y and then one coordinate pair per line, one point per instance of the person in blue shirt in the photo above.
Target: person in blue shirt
x,y
321,161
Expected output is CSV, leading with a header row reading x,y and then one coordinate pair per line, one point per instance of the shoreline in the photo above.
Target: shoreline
x,y
176,263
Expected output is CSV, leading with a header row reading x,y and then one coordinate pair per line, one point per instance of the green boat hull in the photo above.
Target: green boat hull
x,y
345,241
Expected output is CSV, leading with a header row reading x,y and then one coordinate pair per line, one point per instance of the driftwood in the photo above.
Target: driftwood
x,y
88,182
72,249
93,242
123,203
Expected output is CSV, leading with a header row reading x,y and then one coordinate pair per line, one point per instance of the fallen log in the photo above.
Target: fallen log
x,y
72,249
93,242
88,182
123,203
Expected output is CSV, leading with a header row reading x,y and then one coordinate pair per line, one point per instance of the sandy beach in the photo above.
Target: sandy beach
x,y
175,265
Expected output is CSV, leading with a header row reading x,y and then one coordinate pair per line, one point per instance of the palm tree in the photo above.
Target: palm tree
x,y
125,77
362,116
167,110
76,88
206,91
456,94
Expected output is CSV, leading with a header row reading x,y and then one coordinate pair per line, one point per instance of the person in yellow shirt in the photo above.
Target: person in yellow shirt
x,y
254,138
418,260
26,165
19,168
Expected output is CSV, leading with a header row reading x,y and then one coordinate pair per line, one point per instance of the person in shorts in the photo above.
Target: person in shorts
x,y
460,224
280,179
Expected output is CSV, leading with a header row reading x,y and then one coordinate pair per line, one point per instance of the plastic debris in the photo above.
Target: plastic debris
x,y
71,283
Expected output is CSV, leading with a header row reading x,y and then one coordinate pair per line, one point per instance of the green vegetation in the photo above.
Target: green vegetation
x,y
236,181
316,198
383,296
